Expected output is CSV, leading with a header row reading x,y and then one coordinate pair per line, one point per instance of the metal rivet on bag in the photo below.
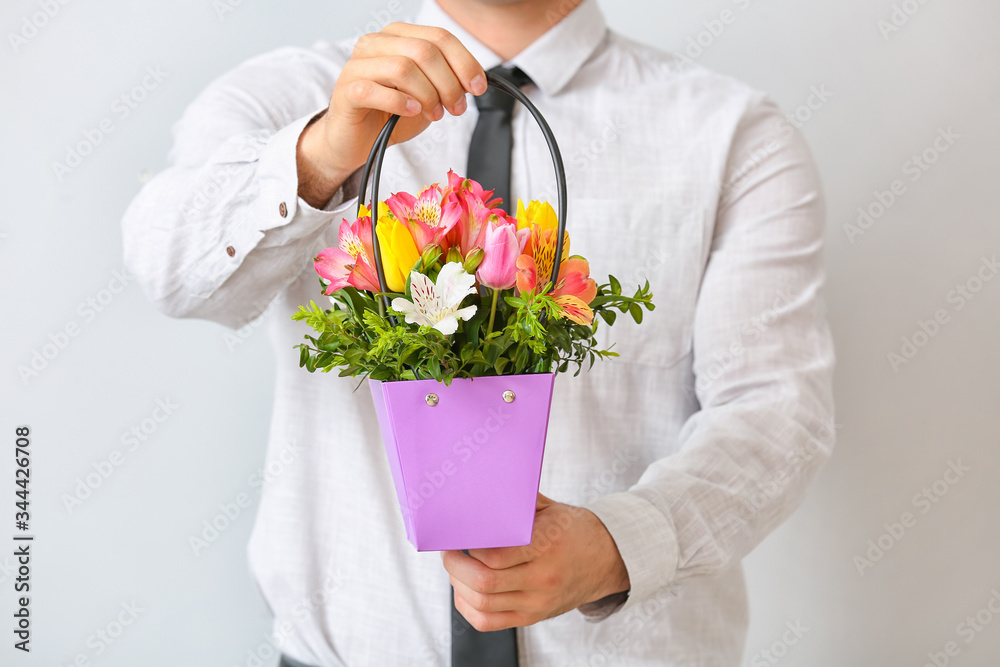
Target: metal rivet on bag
x,y
508,396
432,399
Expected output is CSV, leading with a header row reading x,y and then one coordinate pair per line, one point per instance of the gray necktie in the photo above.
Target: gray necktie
x,y
489,151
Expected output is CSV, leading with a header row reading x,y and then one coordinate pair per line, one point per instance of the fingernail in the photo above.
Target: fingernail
x,y
460,107
412,107
438,112
478,84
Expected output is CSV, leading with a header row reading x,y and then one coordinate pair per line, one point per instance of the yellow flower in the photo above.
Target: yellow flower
x,y
541,219
538,213
399,252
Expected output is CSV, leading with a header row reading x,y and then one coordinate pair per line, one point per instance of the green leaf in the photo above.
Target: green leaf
x,y
514,302
616,287
636,312
474,324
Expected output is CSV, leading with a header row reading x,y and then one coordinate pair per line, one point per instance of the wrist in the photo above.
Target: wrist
x,y
319,177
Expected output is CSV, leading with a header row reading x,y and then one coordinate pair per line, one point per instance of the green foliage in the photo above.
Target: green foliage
x,y
361,337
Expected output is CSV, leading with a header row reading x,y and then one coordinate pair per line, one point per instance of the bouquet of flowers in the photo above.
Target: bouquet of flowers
x,y
470,293
459,314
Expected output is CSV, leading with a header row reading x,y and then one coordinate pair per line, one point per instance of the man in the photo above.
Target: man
x,y
664,467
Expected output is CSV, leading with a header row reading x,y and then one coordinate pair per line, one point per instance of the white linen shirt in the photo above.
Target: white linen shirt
x,y
691,447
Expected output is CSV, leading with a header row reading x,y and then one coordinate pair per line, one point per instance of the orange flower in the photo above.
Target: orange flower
x,y
574,289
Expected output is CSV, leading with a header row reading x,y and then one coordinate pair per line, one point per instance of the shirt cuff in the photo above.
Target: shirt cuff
x,y
647,542
278,204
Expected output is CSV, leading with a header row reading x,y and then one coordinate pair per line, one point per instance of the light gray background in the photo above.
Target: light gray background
x,y
60,245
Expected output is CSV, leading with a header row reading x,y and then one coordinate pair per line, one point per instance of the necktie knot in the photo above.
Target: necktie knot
x,y
494,99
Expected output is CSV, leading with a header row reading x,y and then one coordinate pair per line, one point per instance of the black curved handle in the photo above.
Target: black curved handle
x,y
373,168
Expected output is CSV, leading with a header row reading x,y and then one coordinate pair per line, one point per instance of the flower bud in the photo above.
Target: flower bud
x,y
454,255
473,259
431,254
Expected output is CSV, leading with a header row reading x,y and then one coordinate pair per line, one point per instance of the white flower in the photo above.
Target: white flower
x,y
437,305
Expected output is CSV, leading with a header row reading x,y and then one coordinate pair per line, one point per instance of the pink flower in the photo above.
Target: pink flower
x,y
502,246
429,216
477,207
467,187
351,262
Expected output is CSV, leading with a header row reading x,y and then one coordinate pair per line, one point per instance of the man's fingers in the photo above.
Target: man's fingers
x,y
404,75
428,58
480,578
501,559
487,602
468,70
488,621
367,94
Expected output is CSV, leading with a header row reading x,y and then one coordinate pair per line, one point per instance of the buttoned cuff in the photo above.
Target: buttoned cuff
x,y
647,542
278,202
276,216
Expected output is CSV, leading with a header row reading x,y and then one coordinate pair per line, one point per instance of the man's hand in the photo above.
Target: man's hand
x,y
415,71
571,561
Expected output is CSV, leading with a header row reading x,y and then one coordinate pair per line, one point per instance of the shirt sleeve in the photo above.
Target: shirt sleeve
x,y
765,423
221,231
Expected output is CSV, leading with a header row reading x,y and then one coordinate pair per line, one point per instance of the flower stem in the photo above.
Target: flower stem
x,y
493,311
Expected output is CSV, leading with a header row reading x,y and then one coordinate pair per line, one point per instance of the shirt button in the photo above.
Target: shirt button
x,y
230,250
282,209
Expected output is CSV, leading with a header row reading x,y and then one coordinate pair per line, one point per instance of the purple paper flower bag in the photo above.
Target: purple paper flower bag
x,y
466,459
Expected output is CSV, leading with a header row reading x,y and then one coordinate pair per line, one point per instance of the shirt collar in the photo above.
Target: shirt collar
x,y
552,60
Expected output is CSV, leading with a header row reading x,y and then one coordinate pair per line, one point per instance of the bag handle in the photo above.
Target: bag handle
x,y
373,167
